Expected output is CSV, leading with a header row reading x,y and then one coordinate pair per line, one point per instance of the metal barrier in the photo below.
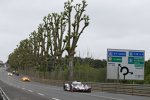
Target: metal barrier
x,y
3,95
131,89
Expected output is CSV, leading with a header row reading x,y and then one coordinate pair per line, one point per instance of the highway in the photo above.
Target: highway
x,y
18,90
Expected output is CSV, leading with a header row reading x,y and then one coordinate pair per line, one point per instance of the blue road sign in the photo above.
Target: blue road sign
x,y
140,54
116,53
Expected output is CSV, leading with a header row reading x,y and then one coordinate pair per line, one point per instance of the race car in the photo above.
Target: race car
x,y
15,73
10,74
25,79
77,87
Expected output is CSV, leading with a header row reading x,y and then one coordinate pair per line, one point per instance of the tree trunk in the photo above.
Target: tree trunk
x,y
70,67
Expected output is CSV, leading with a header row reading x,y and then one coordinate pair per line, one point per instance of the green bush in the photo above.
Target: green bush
x,y
147,79
87,73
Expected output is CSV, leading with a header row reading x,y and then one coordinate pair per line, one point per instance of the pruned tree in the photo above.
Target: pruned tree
x,y
55,27
77,21
34,41
58,33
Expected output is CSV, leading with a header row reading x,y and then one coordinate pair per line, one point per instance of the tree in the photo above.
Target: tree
x,y
55,25
77,21
98,63
57,34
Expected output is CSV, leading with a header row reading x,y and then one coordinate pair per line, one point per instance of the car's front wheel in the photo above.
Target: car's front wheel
x,y
65,88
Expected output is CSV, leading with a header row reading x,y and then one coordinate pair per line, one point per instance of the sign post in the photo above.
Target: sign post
x,y
125,64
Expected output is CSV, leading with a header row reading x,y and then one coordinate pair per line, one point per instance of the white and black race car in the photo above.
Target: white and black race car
x,y
77,87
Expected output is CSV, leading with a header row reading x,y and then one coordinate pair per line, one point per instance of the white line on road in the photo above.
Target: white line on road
x,y
55,99
41,94
4,94
103,97
30,90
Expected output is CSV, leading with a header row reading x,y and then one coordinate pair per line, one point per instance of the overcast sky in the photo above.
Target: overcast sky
x,y
119,24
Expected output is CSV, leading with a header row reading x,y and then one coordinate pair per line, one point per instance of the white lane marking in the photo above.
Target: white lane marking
x,y
55,99
4,94
85,94
43,86
103,97
20,83
41,94
30,90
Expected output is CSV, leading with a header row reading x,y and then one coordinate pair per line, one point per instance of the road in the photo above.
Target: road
x,y
18,90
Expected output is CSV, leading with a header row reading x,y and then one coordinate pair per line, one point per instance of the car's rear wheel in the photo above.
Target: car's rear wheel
x,y
89,91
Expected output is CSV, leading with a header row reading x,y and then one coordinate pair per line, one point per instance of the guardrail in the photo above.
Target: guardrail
x,y
3,95
131,89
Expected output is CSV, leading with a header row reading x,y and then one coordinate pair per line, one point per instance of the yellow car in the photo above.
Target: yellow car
x,y
25,79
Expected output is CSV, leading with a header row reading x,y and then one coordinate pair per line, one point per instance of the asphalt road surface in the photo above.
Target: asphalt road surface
x,y
18,90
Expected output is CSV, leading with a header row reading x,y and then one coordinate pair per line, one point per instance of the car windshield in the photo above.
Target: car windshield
x,y
77,84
